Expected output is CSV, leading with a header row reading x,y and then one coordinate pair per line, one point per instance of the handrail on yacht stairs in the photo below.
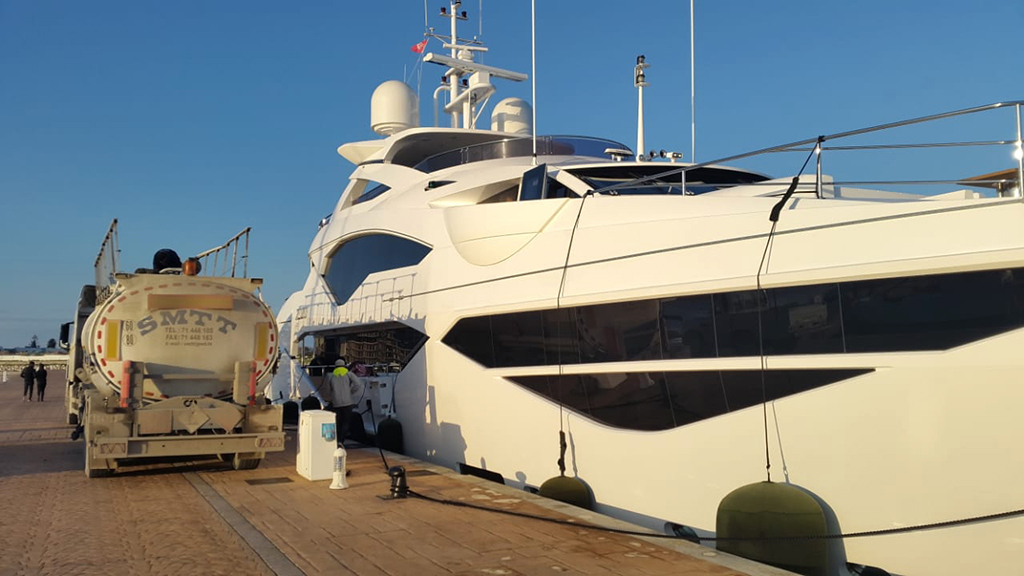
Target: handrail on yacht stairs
x,y
818,148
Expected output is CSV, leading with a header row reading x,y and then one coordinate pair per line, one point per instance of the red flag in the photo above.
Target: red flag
x,y
418,48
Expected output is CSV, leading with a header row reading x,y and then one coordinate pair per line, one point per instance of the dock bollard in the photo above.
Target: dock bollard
x,y
339,482
399,487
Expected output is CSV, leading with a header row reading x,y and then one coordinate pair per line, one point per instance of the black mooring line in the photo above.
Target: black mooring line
x,y
269,553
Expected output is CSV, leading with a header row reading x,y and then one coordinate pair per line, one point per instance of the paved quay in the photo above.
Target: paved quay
x,y
204,518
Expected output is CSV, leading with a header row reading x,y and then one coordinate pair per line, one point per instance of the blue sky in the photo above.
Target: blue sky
x,y
190,120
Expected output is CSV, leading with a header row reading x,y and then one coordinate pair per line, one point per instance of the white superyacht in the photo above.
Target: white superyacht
x,y
862,344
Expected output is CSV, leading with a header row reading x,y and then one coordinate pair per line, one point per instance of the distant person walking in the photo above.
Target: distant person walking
x,y
28,374
40,382
344,387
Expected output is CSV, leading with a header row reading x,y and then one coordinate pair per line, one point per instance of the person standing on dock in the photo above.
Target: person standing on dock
x,y
28,374
40,382
343,387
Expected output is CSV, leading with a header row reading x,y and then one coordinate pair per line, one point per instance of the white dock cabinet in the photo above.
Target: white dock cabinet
x,y
317,442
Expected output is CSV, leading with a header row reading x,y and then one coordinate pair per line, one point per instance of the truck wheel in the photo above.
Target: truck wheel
x,y
98,472
72,419
244,463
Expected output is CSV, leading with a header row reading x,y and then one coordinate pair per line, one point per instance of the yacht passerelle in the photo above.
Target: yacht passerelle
x,y
692,328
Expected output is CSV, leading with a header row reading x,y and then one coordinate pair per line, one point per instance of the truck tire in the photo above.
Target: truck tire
x,y
239,463
72,419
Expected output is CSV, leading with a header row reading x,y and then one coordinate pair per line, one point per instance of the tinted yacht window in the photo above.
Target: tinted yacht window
x,y
888,315
373,190
802,320
350,264
665,400
645,180
688,327
931,312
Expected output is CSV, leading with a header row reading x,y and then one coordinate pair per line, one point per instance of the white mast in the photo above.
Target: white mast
x,y
693,96
533,72
465,98
640,80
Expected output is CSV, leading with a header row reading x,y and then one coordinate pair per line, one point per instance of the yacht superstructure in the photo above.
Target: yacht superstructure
x,y
863,347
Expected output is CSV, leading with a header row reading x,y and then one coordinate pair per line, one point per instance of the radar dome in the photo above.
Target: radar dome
x,y
393,108
512,115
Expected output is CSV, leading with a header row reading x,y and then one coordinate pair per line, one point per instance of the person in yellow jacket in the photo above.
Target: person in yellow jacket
x,y
343,391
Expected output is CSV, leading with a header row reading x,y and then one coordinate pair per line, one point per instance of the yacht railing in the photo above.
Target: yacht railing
x,y
1007,182
377,301
227,257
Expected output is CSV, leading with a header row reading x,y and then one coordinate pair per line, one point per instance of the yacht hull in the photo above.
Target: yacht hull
x,y
907,435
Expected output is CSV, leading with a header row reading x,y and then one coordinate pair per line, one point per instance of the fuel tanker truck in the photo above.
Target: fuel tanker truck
x,y
173,364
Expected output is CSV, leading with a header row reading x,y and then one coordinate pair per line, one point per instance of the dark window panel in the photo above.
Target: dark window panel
x,y
637,401
558,190
743,387
370,191
566,390
688,329
619,332
518,339
802,320
350,264
896,314
696,396
736,323
472,337
661,401
561,342
534,183
931,312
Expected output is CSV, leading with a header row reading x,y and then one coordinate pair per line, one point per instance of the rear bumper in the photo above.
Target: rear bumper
x,y
254,445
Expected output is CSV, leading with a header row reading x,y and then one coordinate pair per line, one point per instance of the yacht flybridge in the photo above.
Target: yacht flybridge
x,y
692,328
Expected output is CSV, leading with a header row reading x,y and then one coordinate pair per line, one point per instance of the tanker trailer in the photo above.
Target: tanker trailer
x,y
174,364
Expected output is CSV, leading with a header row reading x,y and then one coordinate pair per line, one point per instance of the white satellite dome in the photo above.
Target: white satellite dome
x,y
512,115
393,108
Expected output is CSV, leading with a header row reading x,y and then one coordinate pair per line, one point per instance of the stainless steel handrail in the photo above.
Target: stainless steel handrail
x,y
801,145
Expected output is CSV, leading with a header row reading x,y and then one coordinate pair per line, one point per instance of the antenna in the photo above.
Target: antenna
x,y
533,72
693,96
640,81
